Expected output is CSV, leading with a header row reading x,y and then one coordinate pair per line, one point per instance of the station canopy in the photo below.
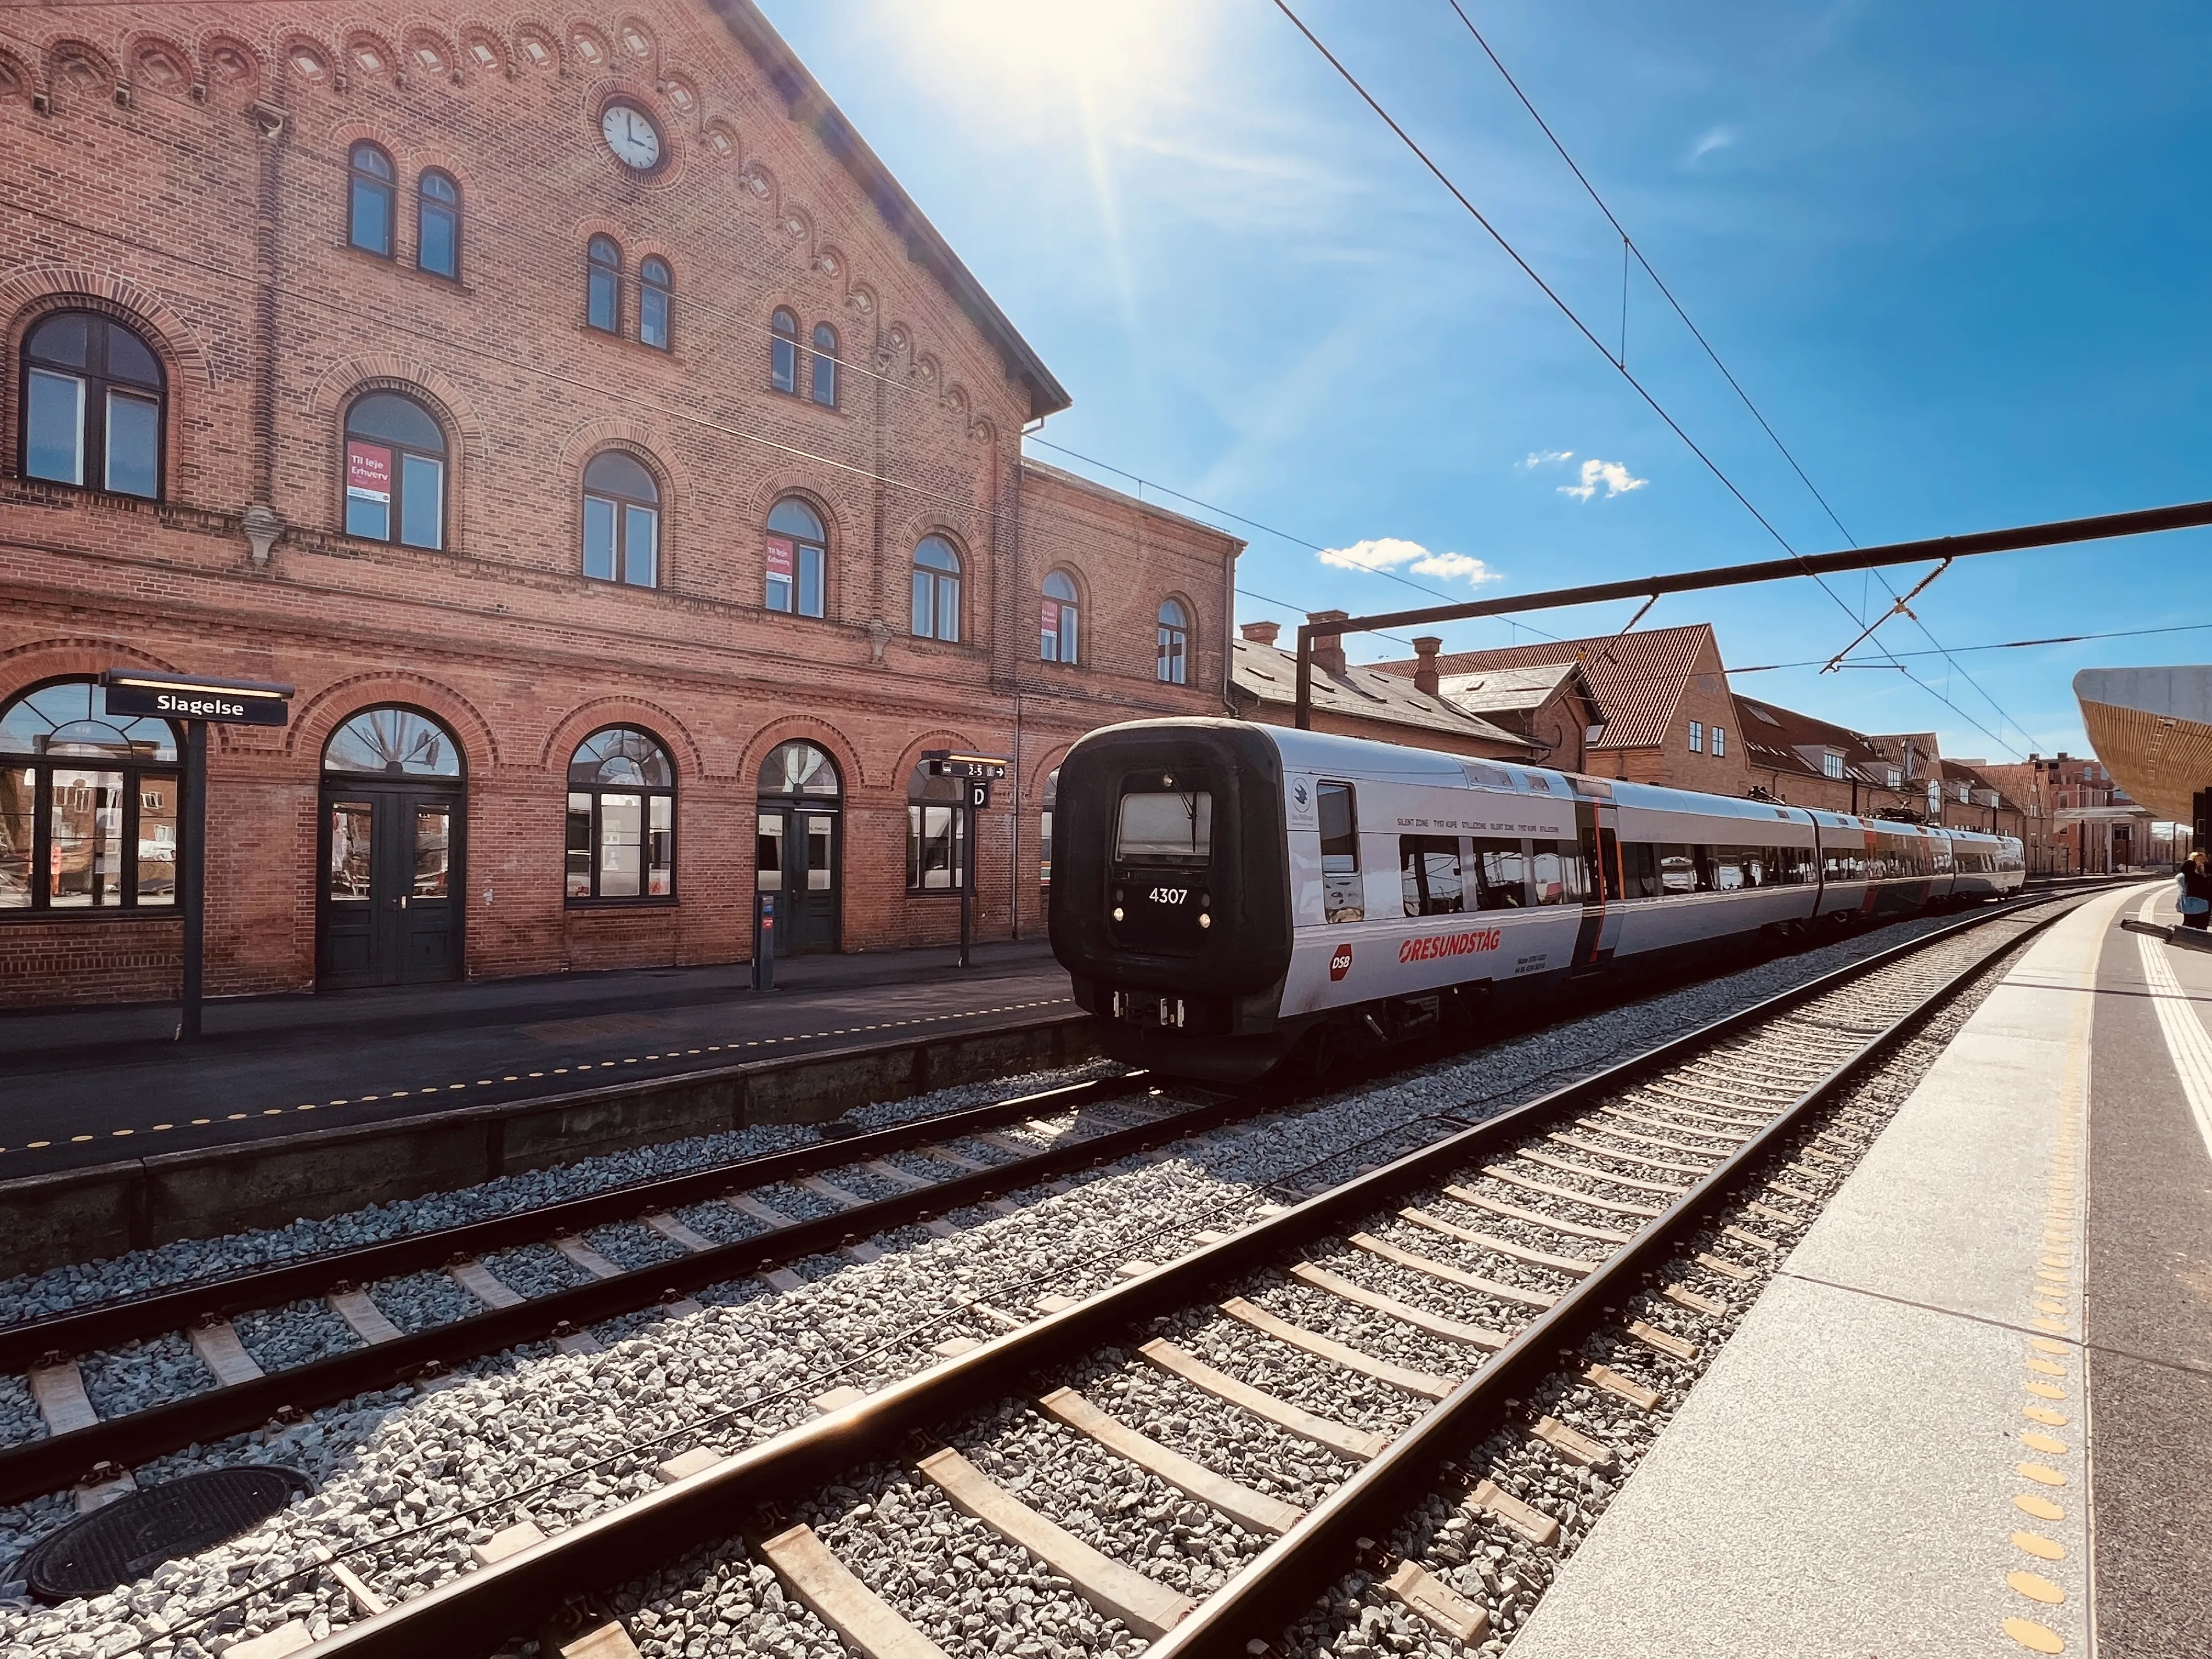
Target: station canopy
x,y
2152,727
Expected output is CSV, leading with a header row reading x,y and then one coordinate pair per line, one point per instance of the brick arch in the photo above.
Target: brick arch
x,y
75,657
657,718
314,721
810,728
73,47
293,41
447,50
143,44
223,40
172,336
422,158
649,444
390,371
1033,795
474,28
386,48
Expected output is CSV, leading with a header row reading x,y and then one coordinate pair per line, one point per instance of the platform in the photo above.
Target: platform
x,y
1973,1414
112,1076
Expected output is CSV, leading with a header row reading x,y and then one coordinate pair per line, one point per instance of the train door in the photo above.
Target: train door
x,y
1597,828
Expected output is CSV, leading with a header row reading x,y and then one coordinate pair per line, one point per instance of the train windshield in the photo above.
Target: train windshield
x,y
1166,828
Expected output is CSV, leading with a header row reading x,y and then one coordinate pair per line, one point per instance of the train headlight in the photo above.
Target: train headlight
x,y
1117,913
1204,919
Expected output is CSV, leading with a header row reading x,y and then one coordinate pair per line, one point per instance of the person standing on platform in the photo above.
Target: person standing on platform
x,y
2195,883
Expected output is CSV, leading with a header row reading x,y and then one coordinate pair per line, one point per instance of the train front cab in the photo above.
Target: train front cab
x,y
1171,897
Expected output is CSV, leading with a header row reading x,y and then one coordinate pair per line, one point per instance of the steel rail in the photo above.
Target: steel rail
x,y
35,1468
1279,1586
476,1612
132,1319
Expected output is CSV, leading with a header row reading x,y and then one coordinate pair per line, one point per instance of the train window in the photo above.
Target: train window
x,y
1639,870
1724,869
1501,874
1561,876
1430,868
1343,897
1678,868
1165,827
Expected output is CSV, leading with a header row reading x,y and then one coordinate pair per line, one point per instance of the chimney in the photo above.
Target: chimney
x,y
1425,646
1327,648
1262,633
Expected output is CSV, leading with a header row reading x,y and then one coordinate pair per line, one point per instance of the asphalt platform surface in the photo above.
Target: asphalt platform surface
x,y
90,1085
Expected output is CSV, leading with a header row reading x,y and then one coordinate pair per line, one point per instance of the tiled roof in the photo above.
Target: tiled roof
x,y
1773,736
1489,690
1637,679
1269,674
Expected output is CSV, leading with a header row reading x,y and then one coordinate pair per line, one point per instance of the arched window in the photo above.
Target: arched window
x,y
91,405
936,834
825,365
783,353
622,818
1174,643
395,471
1062,618
369,198
936,590
621,520
392,743
797,553
438,225
602,296
87,805
656,289
799,768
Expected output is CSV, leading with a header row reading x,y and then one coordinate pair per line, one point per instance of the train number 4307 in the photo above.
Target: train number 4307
x,y
1170,894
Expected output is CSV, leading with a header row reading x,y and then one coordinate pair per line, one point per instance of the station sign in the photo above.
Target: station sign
x,y
194,697
951,763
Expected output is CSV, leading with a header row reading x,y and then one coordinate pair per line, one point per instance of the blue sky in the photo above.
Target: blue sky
x,y
1956,254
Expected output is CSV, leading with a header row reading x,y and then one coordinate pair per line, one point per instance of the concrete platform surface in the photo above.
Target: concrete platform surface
x,y
1973,1414
89,1086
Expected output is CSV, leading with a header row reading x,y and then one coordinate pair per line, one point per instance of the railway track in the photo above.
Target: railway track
x,y
1361,1341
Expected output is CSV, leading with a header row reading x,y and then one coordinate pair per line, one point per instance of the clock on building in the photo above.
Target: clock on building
x,y
631,134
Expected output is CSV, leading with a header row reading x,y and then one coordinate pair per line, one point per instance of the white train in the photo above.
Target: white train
x,y
1224,892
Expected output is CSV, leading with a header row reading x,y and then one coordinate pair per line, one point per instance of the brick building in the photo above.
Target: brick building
x,y
2077,819
574,409
1662,714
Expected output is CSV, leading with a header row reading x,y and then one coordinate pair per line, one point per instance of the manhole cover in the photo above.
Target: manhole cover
x,y
95,1552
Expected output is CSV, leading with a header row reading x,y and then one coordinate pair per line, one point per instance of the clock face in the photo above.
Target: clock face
x,y
631,134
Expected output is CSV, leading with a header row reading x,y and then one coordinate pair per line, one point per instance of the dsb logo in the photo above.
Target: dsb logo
x,y
1339,963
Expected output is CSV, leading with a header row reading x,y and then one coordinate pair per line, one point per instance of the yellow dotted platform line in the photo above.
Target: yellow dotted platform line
x,y
564,1071
2052,1385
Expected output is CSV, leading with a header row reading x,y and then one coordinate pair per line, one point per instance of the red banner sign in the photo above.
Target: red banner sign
x,y
368,471
1052,615
780,555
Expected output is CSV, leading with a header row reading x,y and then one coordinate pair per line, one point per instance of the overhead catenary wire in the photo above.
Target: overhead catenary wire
x,y
1583,329
1995,645
1628,248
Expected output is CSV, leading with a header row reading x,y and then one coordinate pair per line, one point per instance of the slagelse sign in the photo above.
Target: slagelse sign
x,y
187,698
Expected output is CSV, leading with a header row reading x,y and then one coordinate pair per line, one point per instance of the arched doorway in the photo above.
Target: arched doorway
x,y
799,851
392,884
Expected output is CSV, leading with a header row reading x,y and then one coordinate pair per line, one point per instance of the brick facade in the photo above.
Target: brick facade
x,y
185,173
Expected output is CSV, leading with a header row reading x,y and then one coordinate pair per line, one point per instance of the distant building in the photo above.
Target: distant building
x,y
1662,710
1359,702
2077,820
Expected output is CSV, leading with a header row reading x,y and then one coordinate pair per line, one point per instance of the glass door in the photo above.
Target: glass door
x,y
796,855
389,909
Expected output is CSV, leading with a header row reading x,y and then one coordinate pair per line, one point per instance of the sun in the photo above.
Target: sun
x,y
1031,56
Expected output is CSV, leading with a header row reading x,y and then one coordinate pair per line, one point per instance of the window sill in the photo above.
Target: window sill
x,y
667,901
801,398
105,915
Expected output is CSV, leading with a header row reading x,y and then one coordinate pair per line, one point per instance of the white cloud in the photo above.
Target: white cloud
x,y
1711,139
1544,456
1615,476
1389,552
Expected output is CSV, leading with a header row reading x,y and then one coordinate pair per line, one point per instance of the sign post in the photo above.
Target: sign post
x,y
976,773
196,702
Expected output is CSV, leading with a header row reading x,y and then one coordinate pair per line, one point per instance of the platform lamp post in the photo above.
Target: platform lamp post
x,y
199,702
975,774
